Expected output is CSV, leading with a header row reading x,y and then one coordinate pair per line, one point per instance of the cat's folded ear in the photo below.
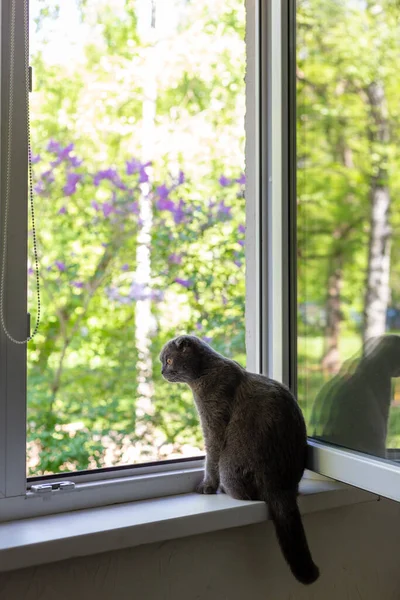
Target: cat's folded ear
x,y
183,343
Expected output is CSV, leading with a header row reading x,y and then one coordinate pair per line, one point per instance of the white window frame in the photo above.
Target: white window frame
x,y
13,357
348,466
270,200
270,278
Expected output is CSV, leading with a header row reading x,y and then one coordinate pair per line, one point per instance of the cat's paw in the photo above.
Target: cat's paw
x,y
207,487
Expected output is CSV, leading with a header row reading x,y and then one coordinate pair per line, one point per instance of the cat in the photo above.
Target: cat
x,y
352,409
255,439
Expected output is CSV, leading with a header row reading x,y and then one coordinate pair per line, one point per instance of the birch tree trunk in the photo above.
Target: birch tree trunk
x,y
331,359
144,322
378,269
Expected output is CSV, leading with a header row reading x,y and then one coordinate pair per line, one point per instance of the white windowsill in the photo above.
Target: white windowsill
x,y
51,538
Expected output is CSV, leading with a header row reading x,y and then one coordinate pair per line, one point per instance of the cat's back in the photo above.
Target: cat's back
x,y
264,409
267,432
267,396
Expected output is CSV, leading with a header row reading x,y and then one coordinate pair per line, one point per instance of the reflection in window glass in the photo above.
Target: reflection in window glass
x,y
138,152
348,191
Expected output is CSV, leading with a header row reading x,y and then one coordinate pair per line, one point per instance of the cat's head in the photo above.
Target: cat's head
x,y
182,359
383,352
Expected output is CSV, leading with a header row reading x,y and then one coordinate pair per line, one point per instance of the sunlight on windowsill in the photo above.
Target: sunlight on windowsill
x,y
51,538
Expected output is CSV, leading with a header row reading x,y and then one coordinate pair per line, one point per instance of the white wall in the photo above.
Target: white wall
x,y
356,547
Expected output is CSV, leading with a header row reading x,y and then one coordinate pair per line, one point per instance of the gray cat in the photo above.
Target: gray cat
x,y
255,439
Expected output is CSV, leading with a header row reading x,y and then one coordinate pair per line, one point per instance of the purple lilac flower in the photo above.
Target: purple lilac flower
x,y
95,205
110,174
242,179
181,177
179,213
165,204
156,295
238,262
199,326
134,208
39,188
125,267
224,181
30,271
143,175
135,166
186,283
78,284
242,229
138,291
112,293
65,152
62,153
223,209
176,259
120,184
132,166
241,243
75,161
62,211
53,146
163,191
107,209
60,266
48,175
206,339
35,159
72,181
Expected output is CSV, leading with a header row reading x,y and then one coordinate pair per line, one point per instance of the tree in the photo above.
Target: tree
x,y
95,182
348,120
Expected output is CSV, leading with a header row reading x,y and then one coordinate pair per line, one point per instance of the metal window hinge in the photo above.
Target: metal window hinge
x,y
47,488
30,78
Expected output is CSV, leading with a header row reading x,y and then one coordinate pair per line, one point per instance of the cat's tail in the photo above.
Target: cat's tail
x,y
285,515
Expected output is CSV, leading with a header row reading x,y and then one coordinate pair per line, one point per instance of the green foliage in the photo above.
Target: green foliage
x,y
343,49
188,75
93,175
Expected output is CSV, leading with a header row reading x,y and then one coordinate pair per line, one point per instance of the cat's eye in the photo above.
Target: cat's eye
x,y
169,361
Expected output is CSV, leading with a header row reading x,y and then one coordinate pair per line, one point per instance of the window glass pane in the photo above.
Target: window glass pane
x,y
348,185
138,151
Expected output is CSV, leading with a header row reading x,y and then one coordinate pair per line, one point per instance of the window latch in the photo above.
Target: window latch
x,y
47,488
